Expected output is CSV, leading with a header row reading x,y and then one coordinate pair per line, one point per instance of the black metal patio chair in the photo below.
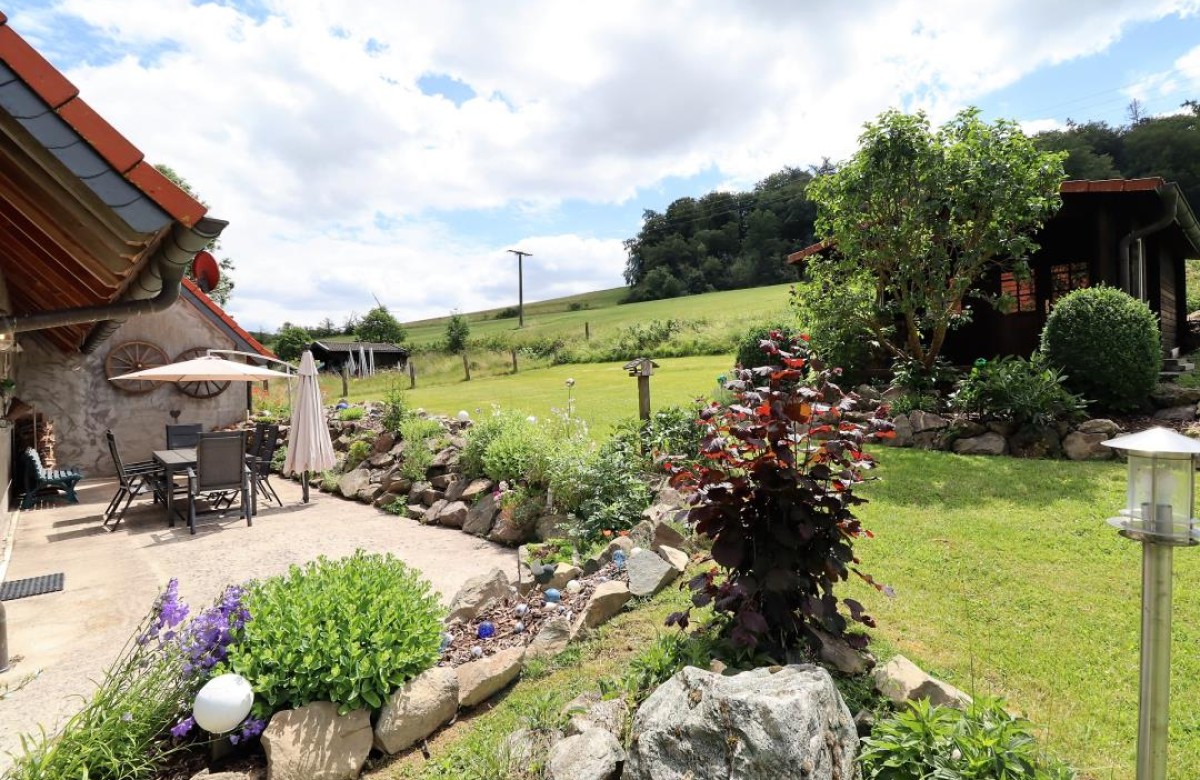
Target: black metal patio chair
x,y
182,436
134,480
221,474
267,439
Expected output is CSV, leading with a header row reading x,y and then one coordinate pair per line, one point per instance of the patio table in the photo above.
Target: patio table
x,y
181,460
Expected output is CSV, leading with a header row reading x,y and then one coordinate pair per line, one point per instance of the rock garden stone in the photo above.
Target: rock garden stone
x,y
926,421
649,573
765,724
394,482
506,531
418,489
678,559
1099,425
415,711
417,512
967,429
593,754
479,594
669,496
455,489
984,444
903,430
481,516
1086,446
434,510
446,459
479,680
1034,442
442,481
353,481
550,526
1168,394
1177,413
642,534
607,600
431,496
563,573
204,774
589,711
384,442
901,680
552,639
381,460
313,742
453,514
837,653
664,534
476,488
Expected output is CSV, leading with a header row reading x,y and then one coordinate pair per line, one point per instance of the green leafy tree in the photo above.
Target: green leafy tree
x,y
922,215
457,331
292,341
224,288
380,326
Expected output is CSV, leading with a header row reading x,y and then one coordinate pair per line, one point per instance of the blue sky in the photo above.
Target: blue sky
x,y
396,150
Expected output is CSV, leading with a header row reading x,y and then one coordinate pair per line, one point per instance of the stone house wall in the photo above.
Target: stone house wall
x,y
72,391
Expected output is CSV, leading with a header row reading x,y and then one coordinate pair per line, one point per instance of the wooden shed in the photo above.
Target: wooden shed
x,y
333,355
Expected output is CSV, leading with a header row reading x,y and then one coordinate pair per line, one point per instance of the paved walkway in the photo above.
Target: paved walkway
x,y
111,579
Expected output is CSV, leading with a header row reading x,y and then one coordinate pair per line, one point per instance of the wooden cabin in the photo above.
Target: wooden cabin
x,y
1134,234
334,355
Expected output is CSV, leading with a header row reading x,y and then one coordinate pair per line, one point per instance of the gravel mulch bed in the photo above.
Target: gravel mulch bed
x,y
465,635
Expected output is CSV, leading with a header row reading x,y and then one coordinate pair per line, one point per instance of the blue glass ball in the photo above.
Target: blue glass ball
x,y
619,559
486,630
553,596
447,640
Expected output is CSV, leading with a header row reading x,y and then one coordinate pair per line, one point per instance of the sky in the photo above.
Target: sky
x,y
394,151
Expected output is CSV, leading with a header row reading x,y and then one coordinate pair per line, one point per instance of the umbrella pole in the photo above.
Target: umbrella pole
x,y
304,485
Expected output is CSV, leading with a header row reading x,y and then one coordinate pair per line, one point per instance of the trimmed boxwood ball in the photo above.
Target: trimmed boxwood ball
x,y
1108,345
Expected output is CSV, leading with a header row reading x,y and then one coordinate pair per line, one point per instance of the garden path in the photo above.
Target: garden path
x,y
111,579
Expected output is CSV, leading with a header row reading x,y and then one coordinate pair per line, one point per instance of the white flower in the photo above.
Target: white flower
x,y
570,382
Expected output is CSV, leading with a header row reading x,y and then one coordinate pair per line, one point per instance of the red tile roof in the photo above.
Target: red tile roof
x,y
221,313
63,97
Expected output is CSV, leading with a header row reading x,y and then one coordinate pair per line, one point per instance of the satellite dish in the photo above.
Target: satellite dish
x,y
205,271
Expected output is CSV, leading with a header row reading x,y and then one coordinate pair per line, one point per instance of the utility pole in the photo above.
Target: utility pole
x,y
520,285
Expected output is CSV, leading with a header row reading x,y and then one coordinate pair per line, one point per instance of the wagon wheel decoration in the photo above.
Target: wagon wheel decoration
x,y
200,388
133,356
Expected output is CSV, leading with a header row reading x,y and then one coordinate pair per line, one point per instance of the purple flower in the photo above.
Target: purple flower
x,y
183,728
206,640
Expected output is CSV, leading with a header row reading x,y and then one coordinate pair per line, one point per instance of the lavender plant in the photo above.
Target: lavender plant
x,y
131,726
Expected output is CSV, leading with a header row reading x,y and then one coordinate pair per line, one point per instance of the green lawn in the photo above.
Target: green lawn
x,y
1009,581
733,310
603,392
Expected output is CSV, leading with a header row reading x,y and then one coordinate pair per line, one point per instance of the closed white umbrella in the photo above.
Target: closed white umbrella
x,y
362,361
207,368
351,366
309,446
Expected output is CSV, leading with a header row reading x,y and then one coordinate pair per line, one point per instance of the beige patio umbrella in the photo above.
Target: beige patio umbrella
x,y
309,446
207,368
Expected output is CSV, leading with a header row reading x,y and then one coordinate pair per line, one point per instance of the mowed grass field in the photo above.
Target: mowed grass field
x,y
605,315
1008,581
603,393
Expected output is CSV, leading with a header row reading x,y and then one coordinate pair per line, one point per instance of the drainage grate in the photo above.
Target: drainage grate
x,y
32,586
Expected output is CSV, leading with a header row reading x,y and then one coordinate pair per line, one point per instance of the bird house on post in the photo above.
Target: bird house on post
x,y
643,369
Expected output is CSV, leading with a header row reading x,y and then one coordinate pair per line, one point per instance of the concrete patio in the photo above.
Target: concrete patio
x,y
67,639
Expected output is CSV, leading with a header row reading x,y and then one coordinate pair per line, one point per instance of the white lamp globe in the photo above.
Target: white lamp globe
x,y
223,703
464,416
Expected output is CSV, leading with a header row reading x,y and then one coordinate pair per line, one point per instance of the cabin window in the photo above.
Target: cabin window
x,y
1023,292
1066,277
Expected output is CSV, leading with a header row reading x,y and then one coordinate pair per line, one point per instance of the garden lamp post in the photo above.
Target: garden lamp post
x,y
1157,513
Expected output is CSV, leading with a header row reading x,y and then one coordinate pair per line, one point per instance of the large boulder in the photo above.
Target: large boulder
x,y
764,724
593,754
666,536
903,432
678,559
923,422
589,711
1185,413
354,481
313,742
479,680
415,711
1033,441
1086,446
563,573
1168,394
475,489
901,681
507,531
480,594
1099,425
649,573
607,600
983,444
481,516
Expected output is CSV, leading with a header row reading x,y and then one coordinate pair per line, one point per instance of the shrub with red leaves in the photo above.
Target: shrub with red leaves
x,y
775,494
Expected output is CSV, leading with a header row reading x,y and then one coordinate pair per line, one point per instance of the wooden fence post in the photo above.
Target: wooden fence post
x,y
412,376
514,359
345,381
587,331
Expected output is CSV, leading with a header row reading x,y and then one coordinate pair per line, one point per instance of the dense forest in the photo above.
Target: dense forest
x,y
727,240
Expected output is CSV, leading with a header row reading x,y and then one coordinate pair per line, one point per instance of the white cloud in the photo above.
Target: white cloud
x,y
304,126
1162,92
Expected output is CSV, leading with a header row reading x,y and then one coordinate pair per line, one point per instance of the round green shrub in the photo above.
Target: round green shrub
x,y
1107,343
349,631
749,351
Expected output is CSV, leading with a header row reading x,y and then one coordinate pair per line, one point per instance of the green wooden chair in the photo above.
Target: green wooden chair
x,y
39,479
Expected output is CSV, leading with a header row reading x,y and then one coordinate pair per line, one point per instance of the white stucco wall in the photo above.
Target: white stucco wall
x,y
71,390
